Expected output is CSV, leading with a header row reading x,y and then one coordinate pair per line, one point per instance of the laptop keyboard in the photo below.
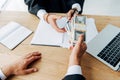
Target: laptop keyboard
x,y
111,53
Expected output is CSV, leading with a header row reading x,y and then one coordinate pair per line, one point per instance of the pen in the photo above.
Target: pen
x,y
75,10
72,41
68,27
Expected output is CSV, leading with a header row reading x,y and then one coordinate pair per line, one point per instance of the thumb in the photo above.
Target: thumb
x,y
30,70
80,40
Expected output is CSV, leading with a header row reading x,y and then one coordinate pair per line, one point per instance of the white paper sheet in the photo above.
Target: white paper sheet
x,y
46,35
91,29
6,30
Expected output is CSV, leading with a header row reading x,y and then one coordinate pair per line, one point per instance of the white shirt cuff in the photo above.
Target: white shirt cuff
x,y
2,76
75,69
41,13
77,6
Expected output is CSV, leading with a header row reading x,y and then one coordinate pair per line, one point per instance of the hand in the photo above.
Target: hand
x,y
51,19
70,13
19,67
77,52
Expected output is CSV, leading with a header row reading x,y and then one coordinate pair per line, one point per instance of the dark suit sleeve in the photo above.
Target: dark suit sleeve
x,y
74,77
33,6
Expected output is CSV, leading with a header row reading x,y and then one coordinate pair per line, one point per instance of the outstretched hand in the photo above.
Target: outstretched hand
x,y
77,52
20,66
51,19
71,13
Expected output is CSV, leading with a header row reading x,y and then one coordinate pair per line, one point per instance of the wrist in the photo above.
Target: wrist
x,y
6,71
74,60
2,75
75,9
41,13
75,69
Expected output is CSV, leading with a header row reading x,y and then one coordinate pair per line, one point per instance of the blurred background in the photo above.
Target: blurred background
x,y
92,7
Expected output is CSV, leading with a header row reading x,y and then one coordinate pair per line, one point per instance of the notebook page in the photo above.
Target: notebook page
x,y
16,37
7,29
46,35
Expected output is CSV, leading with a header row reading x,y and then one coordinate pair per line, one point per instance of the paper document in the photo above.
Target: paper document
x,y
46,35
13,34
91,29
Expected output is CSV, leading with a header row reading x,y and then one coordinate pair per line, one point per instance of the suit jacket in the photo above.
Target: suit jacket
x,y
74,77
60,6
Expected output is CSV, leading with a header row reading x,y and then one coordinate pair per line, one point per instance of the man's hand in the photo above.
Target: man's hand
x,y
51,19
20,66
71,13
77,52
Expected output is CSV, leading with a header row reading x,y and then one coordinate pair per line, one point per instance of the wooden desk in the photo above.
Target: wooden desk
x,y
54,61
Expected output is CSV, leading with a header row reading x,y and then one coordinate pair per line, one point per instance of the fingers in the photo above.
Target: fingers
x,y
71,47
54,25
80,43
80,40
52,20
30,70
21,66
32,57
69,15
32,54
84,46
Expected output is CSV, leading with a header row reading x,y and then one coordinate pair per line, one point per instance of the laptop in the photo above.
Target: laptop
x,y
106,46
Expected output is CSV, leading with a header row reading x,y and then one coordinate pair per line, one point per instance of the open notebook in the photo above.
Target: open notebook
x,y
46,35
13,34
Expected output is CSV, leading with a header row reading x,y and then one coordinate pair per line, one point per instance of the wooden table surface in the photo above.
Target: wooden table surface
x,y
54,61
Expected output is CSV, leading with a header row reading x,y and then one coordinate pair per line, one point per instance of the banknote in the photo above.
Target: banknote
x,y
76,27
79,27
